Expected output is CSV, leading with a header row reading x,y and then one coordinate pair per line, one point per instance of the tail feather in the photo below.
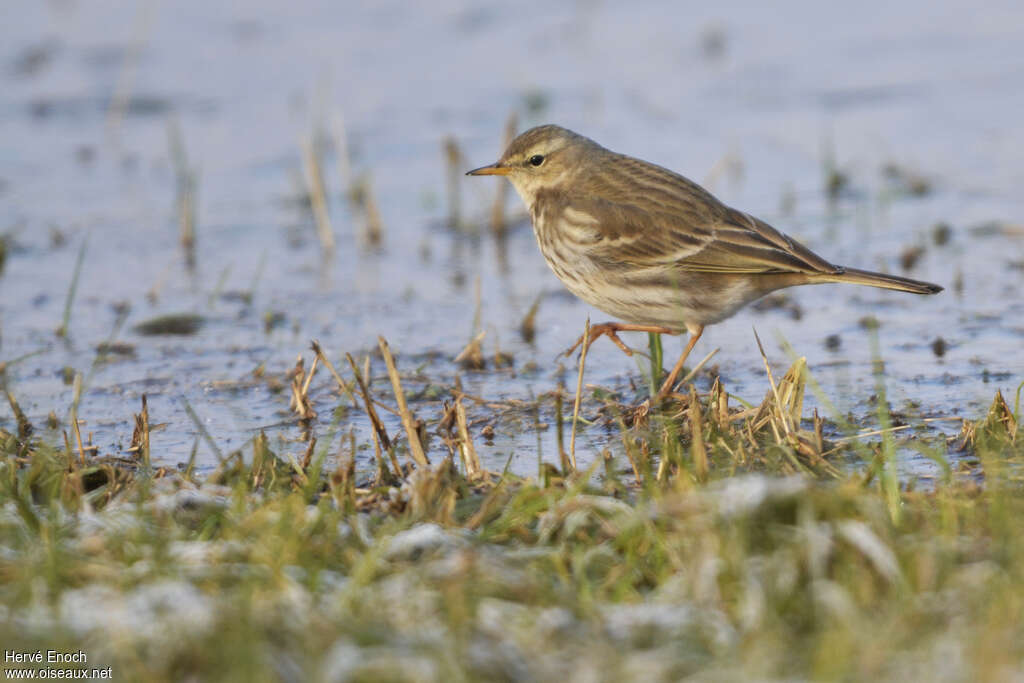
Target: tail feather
x,y
866,277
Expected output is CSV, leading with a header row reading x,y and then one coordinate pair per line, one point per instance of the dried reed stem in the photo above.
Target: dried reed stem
x,y
498,208
579,393
453,159
378,426
466,448
24,426
77,397
144,425
528,326
373,235
69,301
408,420
697,368
563,457
341,146
472,355
775,390
307,457
300,386
185,197
315,345
697,446
318,196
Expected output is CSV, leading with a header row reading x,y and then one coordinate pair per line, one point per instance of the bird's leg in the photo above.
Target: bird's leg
x,y
672,376
610,330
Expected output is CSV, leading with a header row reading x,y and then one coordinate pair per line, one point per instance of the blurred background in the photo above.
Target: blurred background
x,y
883,135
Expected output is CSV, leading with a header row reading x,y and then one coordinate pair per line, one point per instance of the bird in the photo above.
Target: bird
x,y
650,247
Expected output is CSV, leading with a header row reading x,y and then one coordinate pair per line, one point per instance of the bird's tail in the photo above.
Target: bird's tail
x,y
866,277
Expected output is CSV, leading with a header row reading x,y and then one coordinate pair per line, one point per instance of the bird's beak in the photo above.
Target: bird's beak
x,y
494,169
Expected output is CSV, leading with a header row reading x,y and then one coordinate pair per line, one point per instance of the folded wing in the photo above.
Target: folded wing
x,y
668,221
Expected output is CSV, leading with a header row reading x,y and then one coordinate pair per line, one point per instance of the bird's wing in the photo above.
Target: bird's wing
x,y
624,234
669,221
745,244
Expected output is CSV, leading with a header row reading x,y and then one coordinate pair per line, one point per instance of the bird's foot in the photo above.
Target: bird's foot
x,y
596,331
611,331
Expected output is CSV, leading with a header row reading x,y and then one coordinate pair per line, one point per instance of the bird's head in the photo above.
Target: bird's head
x,y
541,158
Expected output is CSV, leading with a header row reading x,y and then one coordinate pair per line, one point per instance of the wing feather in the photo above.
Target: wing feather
x,y
649,217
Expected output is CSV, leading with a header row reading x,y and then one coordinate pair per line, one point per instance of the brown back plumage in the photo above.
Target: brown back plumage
x,y
668,214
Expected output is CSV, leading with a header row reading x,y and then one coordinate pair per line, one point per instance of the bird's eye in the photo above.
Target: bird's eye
x,y
536,160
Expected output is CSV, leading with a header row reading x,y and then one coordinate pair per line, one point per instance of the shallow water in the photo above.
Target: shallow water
x,y
751,101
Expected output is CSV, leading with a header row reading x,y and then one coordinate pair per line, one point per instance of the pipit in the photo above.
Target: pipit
x,y
651,247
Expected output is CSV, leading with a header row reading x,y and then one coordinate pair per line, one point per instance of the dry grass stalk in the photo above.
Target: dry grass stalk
x,y
501,359
791,392
67,449
299,477
187,220
781,412
662,474
490,507
65,325
75,480
453,163
528,327
300,402
318,196
819,438
125,83
309,378
399,473
344,161
318,350
697,368
153,293
579,394
433,493
478,303
24,426
1001,417
472,355
185,200
140,435
307,457
78,440
408,419
373,233
627,445
378,452
999,421
697,447
466,448
563,457
77,393
775,391
342,482
782,407
378,426
719,404
445,426
262,460
498,223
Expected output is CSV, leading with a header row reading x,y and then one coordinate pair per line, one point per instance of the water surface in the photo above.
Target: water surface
x,y
756,102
